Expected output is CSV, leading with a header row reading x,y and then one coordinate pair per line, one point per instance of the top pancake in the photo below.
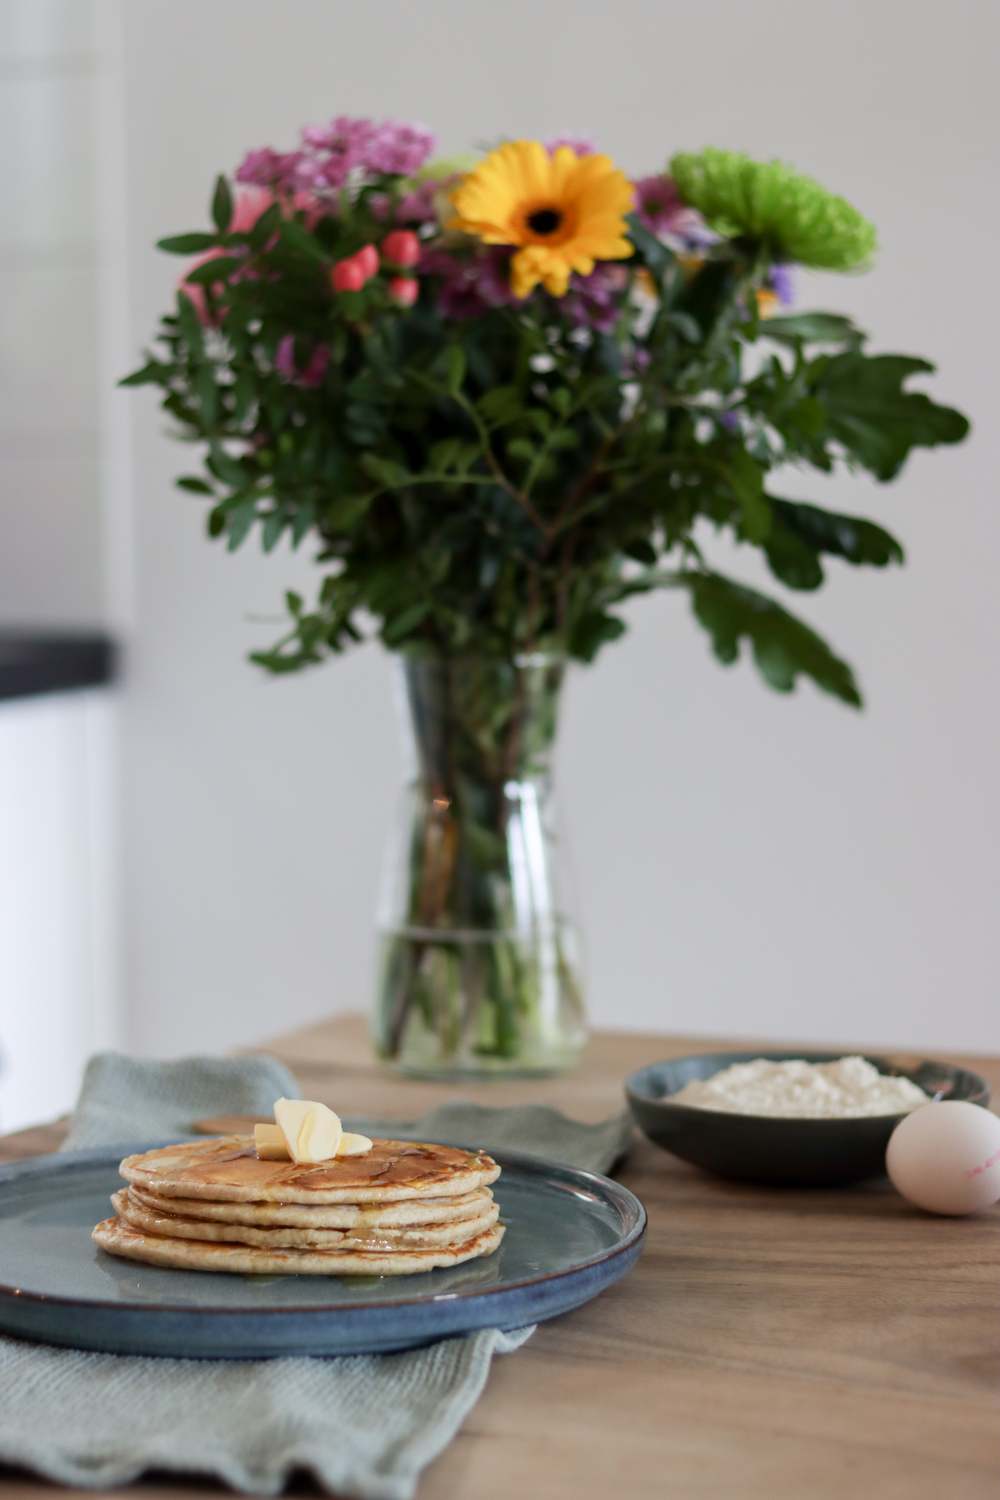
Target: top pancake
x,y
227,1169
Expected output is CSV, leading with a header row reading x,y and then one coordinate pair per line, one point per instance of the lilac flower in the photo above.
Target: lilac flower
x,y
398,148
659,207
636,360
594,301
470,286
782,283
416,207
578,144
311,373
331,154
267,168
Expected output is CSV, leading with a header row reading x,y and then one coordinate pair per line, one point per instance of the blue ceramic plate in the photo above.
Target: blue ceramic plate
x,y
569,1235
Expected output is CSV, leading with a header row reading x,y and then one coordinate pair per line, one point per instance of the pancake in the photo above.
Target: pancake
x,y
404,1212
176,1226
227,1169
121,1239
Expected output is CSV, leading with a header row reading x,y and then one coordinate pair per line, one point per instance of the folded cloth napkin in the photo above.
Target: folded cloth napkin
x,y
364,1426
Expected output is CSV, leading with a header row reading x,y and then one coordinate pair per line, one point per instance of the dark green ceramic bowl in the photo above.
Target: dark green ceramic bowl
x,y
760,1148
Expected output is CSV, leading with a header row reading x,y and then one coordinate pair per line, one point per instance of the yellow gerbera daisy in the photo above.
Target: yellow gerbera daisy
x,y
564,211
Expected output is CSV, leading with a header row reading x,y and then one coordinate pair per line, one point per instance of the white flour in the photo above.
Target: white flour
x,y
834,1090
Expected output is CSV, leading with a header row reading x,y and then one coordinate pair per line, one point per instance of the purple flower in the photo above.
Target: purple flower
x,y
267,168
311,373
637,360
417,206
594,301
331,154
782,283
470,286
660,208
578,144
398,148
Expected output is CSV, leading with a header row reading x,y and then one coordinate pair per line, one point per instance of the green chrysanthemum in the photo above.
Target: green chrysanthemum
x,y
769,201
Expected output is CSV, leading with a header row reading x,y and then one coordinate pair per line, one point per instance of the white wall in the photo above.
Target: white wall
x,y
58,991
51,560
746,862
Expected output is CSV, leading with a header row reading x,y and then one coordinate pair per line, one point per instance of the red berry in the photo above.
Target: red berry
x,y
401,247
367,259
403,290
347,276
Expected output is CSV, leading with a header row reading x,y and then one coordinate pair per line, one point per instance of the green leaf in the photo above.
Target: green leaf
x,y
266,226
812,328
243,395
746,477
641,551
684,325
654,252
386,471
871,413
217,269
153,373
305,518
344,511
293,602
226,468
501,404
783,647
522,448
270,532
187,244
443,454
222,205
208,395
190,327
239,522
298,237
194,485
792,559
405,622
592,631
853,538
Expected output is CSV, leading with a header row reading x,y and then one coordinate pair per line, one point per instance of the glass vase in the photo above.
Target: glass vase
x,y
478,963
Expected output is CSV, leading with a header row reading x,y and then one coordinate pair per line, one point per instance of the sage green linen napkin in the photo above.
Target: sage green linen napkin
x,y
364,1426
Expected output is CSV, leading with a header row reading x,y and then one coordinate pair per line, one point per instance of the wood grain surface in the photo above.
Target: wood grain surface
x,y
813,1345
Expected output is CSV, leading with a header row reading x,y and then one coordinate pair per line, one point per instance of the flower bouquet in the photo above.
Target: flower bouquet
x,y
500,396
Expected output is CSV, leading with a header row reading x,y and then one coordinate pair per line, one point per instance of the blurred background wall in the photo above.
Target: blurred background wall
x,y
745,863
59,951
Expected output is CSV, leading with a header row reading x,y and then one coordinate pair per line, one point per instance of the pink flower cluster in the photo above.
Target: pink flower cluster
x,y
332,155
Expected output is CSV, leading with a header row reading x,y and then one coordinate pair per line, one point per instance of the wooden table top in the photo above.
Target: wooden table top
x,y
793,1343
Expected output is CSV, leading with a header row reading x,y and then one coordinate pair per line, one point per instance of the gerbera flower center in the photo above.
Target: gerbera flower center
x,y
544,220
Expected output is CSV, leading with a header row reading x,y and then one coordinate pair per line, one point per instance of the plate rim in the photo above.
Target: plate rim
x,y
524,1160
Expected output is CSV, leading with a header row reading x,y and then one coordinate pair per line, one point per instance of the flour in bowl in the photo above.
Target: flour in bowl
x,y
841,1090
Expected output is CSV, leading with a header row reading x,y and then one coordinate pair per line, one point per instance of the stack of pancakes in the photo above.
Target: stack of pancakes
x,y
402,1208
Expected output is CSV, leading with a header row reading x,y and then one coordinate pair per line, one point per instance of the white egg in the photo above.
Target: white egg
x,y
945,1157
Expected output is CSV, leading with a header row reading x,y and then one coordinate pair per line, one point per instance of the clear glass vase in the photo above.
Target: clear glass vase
x,y
478,963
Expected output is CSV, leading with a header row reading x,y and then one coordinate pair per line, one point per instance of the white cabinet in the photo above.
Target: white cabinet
x,y
57,970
